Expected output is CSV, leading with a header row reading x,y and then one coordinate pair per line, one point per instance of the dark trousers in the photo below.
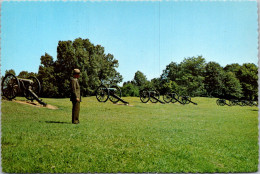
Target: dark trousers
x,y
75,111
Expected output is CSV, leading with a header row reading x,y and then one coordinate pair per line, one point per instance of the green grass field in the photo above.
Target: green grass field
x,y
139,138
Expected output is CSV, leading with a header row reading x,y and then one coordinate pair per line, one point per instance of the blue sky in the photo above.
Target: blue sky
x,y
144,36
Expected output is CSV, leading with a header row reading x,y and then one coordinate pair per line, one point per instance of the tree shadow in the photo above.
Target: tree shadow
x,y
60,122
254,109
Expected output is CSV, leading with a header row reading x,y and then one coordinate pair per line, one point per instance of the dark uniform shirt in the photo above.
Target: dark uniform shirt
x,y
75,90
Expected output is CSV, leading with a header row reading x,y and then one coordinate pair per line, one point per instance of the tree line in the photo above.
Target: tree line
x,y
91,59
193,76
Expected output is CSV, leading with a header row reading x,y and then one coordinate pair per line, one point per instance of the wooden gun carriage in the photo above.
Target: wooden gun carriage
x,y
13,86
152,95
113,93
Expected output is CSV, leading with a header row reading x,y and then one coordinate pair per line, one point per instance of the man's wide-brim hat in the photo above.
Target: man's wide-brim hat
x,y
76,71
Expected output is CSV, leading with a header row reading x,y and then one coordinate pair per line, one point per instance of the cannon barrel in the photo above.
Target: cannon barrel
x,y
30,88
112,93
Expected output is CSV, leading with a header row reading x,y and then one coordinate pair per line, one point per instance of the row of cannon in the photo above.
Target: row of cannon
x,y
236,102
154,96
114,94
30,88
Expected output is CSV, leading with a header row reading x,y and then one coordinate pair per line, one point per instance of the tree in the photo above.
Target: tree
x,y
214,79
171,72
10,71
130,89
234,68
190,76
248,77
47,77
23,74
232,87
92,61
139,79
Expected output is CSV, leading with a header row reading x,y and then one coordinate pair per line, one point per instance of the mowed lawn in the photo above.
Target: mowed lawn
x,y
139,138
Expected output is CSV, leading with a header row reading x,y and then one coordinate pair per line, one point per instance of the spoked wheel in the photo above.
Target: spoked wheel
x,y
154,95
102,93
34,85
175,98
221,102
243,103
250,103
114,92
185,99
231,103
167,97
218,101
10,86
144,96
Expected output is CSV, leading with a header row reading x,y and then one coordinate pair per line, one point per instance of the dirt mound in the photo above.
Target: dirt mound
x,y
35,104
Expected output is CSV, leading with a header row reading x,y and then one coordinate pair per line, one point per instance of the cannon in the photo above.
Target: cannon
x,y
187,100
112,93
152,95
235,102
222,102
13,86
171,97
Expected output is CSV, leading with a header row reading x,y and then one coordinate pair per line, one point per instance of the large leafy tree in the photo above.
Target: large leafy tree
x,y
171,72
47,76
10,71
129,89
214,79
139,79
190,76
248,77
92,61
234,68
232,87
26,74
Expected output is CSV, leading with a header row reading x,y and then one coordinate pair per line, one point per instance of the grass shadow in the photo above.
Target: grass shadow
x,y
60,122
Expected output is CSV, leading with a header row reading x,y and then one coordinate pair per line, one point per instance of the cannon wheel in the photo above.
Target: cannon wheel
x,y
231,103
174,97
116,92
185,99
167,97
10,86
35,87
144,96
155,94
221,102
102,93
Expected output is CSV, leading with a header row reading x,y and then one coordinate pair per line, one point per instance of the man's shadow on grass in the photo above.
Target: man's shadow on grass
x,y
60,122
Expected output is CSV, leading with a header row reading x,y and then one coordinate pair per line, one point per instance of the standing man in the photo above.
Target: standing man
x,y
75,96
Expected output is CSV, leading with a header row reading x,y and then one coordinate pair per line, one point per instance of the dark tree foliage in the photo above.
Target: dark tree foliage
x,y
26,74
129,89
194,77
191,76
232,87
248,77
10,71
234,68
188,77
92,61
214,79
47,77
139,79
